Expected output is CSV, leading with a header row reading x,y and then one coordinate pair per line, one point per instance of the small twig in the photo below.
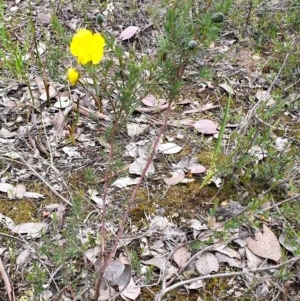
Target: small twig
x,y
292,198
90,113
248,17
245,271
42,179
6,281
116,173
266,94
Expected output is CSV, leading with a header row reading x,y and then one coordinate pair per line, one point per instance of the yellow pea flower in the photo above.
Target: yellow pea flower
x,y
88,47
73,76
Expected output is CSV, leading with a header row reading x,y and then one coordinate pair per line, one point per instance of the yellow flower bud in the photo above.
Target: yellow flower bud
x,y
73,76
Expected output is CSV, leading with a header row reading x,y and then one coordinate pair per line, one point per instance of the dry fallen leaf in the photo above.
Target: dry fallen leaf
x,y
152,101
195,285
207,263
117,273
138,165
292,245
265,244
31,229
177,177
181,256
24,257
233,262
20,190
128,32
266,97
195,168
169,148
136,129
161,263
206,126
125,181
132,291
227,88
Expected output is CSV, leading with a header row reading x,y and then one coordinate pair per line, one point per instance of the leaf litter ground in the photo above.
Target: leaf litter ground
x,y
176,244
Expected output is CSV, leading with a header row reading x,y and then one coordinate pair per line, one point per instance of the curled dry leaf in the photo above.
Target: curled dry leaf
x,y
13,155
227,88
94,196
7,222
228,251
233,262
33,195
71,151
5,133
62,103
258,152
162,263
265,244
206,126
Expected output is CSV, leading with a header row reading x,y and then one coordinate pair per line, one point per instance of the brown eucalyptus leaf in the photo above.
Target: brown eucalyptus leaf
x,y
132,291
181,256
207,263
233,262
265,244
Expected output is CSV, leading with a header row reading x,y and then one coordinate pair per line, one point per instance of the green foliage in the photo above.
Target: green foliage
x,y
37,277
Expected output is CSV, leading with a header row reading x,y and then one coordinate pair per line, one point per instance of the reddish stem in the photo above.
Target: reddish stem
x,y
131,203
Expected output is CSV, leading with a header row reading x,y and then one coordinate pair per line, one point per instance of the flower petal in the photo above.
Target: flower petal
x,y
97,48
80,40
80,44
